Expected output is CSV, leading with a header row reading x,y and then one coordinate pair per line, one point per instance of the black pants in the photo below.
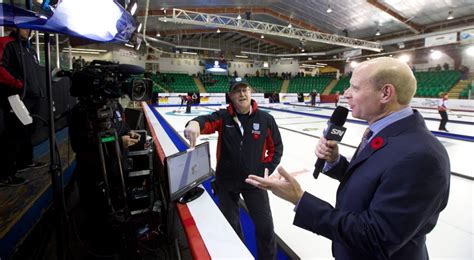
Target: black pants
x,y
16,150
444,120
188,108
258,206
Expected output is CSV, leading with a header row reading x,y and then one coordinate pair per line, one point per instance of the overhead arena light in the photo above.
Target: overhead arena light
x,y
189,52
242,56
82,49
450,16
197,48
470,51
82,52
436,55
133,9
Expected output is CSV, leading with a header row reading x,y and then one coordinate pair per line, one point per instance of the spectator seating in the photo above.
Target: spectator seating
x,y
220,84
176,82
431,83
265,84
341,85
465,92
308,84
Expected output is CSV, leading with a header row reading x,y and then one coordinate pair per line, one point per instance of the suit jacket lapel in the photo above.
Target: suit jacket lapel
x,y
368,150
392,130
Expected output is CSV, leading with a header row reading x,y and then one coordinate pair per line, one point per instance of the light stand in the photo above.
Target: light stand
x,y
54,166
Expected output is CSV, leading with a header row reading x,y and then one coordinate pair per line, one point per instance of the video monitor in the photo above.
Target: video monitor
x,y
186,170
216,66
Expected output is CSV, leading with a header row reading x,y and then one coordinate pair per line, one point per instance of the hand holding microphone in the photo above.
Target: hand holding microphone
x,y
334,131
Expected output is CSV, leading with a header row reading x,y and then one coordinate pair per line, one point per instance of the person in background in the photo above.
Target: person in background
x,y
313,95
249,143
446,66
336,98
443,111
300,97
392,190
20,74
189,103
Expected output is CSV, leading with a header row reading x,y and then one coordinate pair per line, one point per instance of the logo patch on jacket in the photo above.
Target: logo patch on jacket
x,y
256,126
255,131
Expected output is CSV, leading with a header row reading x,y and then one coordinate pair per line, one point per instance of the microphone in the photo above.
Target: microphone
x,y
333,131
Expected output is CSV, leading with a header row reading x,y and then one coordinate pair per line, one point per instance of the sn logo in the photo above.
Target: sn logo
x,y
337,132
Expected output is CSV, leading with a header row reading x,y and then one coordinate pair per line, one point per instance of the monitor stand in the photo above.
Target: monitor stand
x,y
191,195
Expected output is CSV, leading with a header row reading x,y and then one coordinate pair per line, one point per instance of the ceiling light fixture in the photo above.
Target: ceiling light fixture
x,y
329,10
450,16
158,35
218,30
289,25
470,51
377,33
196,48
436,55
83,49
83,52
262,36
134,8
239,17
405,58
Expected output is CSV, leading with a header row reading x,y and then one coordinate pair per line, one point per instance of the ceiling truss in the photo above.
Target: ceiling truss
x,y
212,20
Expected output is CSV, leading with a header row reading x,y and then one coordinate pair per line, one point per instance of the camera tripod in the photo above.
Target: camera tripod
x,y
116,198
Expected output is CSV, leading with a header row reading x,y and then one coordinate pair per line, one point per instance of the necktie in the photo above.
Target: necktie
x,y
365,139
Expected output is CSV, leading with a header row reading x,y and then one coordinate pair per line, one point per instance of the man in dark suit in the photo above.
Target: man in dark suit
x,y
392,191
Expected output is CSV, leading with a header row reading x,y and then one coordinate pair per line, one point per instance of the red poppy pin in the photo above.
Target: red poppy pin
x,y
376,143
256,136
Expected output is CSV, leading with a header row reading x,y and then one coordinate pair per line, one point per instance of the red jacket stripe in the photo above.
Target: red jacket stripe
x,y
6,78
269,147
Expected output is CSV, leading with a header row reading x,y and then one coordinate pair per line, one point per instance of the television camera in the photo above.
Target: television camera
x,y
96,126
97,129
103,80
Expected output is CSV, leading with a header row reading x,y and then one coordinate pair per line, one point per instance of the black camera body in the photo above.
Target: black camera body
x,y
103,80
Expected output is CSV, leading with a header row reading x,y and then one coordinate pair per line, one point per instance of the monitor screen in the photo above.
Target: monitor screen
x,y
216,66
188,169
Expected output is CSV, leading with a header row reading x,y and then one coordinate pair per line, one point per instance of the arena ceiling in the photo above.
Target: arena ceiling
x,y
394,19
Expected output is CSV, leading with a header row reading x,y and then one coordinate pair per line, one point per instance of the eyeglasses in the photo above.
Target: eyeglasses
x,y
240,90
